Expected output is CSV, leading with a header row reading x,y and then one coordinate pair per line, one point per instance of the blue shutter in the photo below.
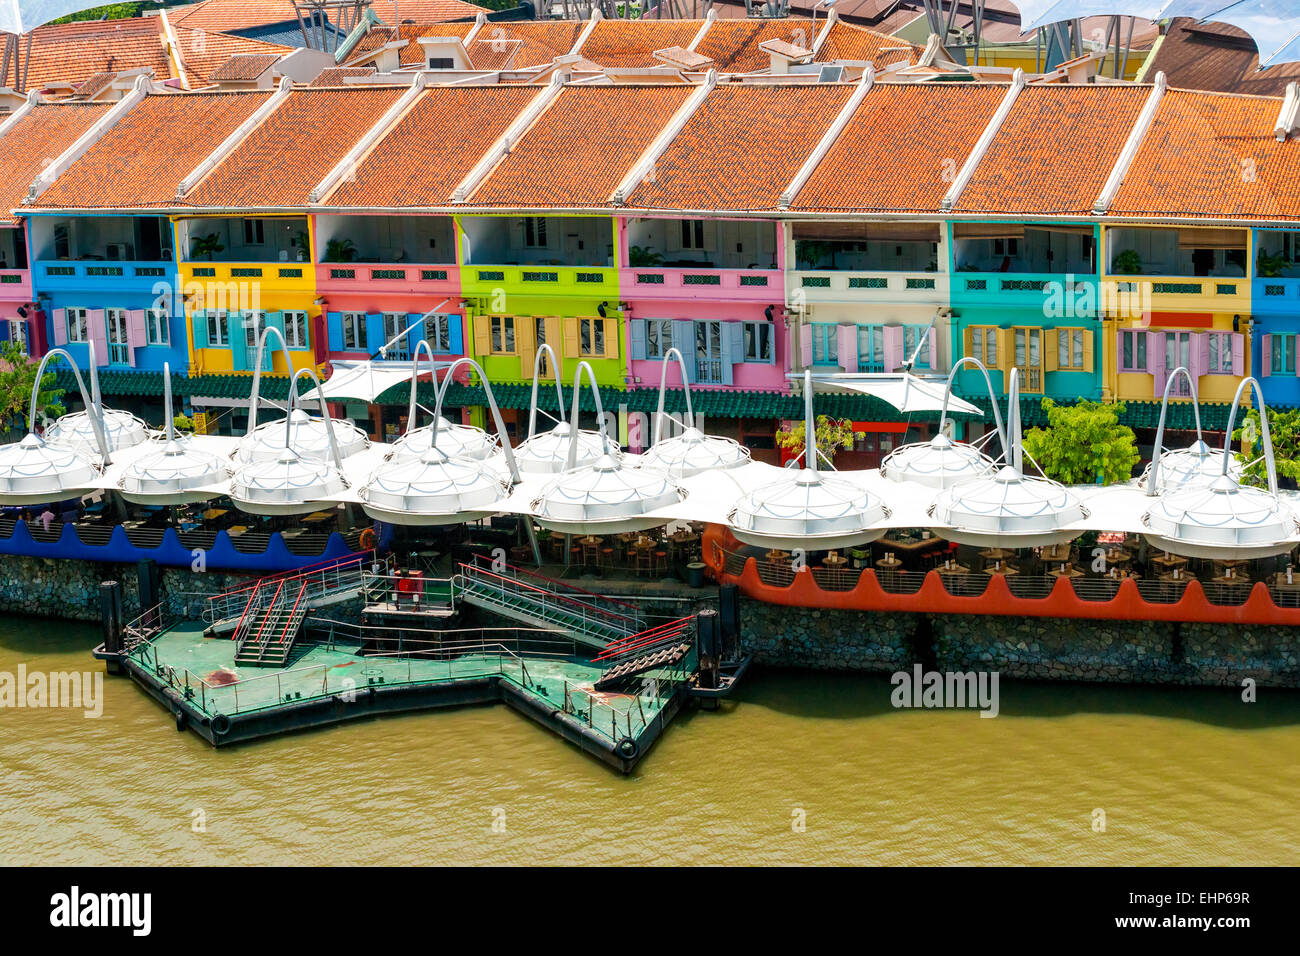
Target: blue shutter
x,y
274,320
456,333
199,323
374,331
415,334
733,348
4,330
684,342
334,330
239,357
637,331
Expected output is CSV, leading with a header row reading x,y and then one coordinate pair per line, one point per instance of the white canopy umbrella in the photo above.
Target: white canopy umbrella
x,y
607,496
437,488
1224,519
1009,509
808,509
178,474
691,452
942,462
548,452
307,436
81,430
903,390
455,441
360,381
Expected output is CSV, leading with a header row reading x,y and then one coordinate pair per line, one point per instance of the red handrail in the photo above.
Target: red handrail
x,y
261,627
292,611
648,638
331,564
235,634
554,594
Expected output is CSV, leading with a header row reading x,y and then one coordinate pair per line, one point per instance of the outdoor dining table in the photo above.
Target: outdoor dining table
x,y
776,554
1176,575
952,567
1065,571
1056,553
889,562
996,554
835,561
212,514
1002,568
1169,561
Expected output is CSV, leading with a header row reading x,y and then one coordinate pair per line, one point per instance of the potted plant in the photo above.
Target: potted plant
x,y
1128,263
1269,267
340,250
208,245
641,256
302,242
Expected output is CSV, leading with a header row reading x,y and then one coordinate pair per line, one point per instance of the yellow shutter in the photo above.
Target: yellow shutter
x,y
1088,365
551,330
1049,350
968,343
482,335
571,349
611,338
526,344
1006,348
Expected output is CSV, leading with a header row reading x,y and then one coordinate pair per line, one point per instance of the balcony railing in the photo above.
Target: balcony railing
x,y
661,281
921,286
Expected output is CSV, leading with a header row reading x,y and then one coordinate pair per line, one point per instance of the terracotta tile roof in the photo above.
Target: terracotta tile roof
x,y
243,66
338,75
94,84
1216,56
631,43
183,127
742,147
682,58
423,158
541,42
35,141
1055,150
848,42
1213,155
74,52
245,14
900,148
577,152
412,54
732,45
294,148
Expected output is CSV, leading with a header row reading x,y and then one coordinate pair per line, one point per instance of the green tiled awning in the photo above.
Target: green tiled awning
x,y
135,383
1214,415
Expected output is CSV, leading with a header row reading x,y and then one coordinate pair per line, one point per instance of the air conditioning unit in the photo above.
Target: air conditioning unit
x,y
118,250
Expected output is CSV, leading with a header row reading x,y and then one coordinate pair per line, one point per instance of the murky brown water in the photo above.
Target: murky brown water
x,y
1191,777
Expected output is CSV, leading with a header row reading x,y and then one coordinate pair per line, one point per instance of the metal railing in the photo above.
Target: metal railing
x,y
571,607
326,580
412,591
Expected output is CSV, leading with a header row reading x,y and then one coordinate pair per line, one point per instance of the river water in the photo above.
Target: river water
x,y
1183,777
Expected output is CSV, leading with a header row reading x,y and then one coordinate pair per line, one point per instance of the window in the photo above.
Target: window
x,y
437,332
984,344
354,331
253,235
252,322
535,231
914,336
1281,354
18,333
539,339
758,342
157,326
218,329
1029,358
591,337
871,348
658,338
118,348
78,325
708,352
62,243
395,335
503,335
1132,350
826,343
692,233
1006,247
1220,353
441,63
295,329
1069,349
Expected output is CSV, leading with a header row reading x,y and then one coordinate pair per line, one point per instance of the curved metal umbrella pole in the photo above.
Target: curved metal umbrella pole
x,y
502,434
810,452
93,411
167,402
1269,465
325,414
257,373
424,345
1160,427
663,384
572,461
993,401
1016,450
559,389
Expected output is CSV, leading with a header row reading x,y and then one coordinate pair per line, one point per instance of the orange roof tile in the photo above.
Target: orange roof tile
x,y
577,152
339,75
848,42
243,66
243,14
1055,150
37,140
292,150
1213,155
732,45
901,147
423,158
631,43
412,54
742,147
115,172
541,41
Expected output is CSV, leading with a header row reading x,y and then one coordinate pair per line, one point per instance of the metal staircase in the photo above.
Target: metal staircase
x,y
544,602
658,648
326,584
269,627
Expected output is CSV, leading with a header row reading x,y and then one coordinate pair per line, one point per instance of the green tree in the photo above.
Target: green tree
x,y
1284,431
831,434
17,379
1083,444
183,424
